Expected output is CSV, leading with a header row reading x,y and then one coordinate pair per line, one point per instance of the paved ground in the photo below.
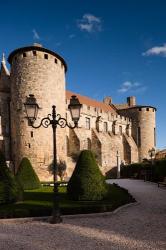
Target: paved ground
x,y
142,226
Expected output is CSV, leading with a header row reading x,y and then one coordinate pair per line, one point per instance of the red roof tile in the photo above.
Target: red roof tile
x,y
91,102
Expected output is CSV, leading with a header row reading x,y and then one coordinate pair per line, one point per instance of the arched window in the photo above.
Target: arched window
x,y
87,122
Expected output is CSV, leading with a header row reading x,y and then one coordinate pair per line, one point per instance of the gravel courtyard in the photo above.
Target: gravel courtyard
x,y
141,226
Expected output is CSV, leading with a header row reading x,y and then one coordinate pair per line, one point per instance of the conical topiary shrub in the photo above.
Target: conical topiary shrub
x,y
8,187
87,182
26,175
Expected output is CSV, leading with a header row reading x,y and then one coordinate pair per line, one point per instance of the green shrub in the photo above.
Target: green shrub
x,y
159,169
87,182
8,186
134,170
155,172
26,175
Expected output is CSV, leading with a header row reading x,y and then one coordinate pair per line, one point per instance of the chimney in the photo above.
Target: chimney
x,y
107,100
131,101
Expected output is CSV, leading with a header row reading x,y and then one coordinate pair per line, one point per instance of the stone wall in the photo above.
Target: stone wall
x,y
103,142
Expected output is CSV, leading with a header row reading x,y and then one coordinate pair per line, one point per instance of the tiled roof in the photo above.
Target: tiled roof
x,y
91,102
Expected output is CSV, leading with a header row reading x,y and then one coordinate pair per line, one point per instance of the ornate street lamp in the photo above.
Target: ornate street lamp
x,y
31,108
54,119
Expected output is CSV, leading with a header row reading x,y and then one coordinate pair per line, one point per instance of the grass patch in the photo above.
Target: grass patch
x,y
38,202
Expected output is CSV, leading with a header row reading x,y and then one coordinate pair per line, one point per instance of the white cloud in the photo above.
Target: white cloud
x,y
92,18
89,23
35,34
156,51
132,87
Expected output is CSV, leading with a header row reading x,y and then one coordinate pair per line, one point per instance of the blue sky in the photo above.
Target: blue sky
x,y
115,48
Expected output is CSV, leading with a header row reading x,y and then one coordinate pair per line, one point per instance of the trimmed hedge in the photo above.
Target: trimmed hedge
x,y
160,169
155,172
26,175
8,186
87,182
133,170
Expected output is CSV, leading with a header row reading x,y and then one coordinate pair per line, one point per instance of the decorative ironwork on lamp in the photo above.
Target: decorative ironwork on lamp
x,y
54,119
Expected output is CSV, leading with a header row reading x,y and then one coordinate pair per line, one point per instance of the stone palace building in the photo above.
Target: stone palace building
x,y
104,127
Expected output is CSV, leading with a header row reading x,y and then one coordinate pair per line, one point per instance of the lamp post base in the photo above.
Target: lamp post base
x,y
55,217
118,175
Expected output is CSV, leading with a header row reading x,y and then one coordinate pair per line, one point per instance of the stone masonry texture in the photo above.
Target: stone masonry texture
x,y
104,127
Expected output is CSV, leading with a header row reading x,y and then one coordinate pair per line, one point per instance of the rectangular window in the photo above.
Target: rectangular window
x,y
56,60
139,136
31,133
113,128
34,53
120,130
45,56
87,123
105,127
24,54
147,109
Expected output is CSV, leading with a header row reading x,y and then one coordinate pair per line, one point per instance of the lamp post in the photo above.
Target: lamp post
x,y
118,164
151,153
54,119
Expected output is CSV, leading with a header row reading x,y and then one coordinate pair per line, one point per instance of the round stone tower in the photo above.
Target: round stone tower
x,y
41,72
143,128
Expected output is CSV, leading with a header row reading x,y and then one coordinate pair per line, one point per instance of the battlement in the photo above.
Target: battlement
x,y
37,52
139,108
